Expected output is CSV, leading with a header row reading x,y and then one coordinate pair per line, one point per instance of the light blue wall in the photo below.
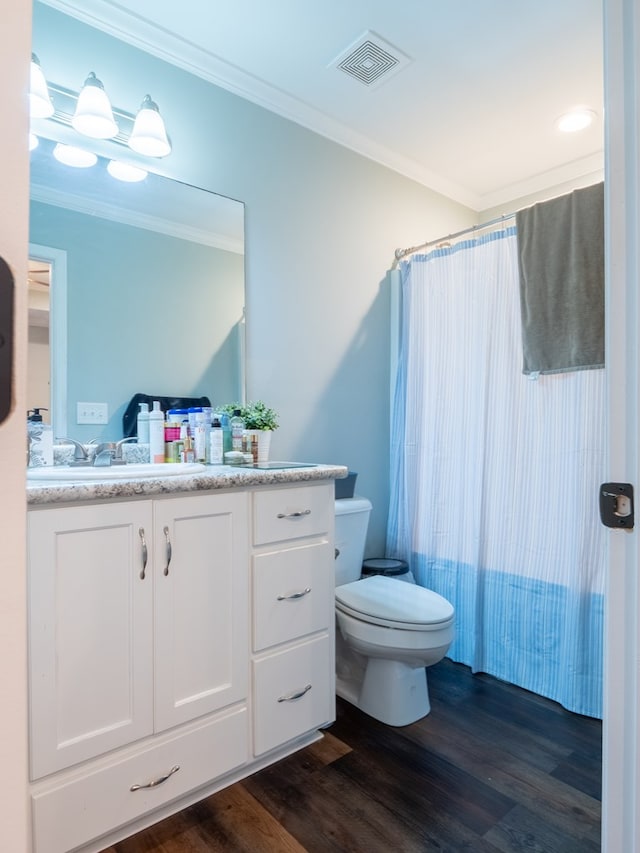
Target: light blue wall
x,y
322,224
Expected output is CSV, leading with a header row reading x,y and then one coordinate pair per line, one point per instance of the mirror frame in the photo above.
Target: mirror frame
x,y
57,258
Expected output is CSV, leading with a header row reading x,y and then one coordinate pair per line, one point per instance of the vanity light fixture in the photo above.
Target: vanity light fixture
x,y
575,120
126,172
149,135
40,105
72,156
91,114
94,116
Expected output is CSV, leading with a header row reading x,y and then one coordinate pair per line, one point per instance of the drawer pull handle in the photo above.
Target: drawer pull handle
x,y
169,551
145,553
295,595
297,514
293,696
158,781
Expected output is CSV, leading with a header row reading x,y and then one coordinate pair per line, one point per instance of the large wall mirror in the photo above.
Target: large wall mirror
x,y
141,287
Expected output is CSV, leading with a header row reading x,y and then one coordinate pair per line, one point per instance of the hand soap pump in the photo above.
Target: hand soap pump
x,y
143,424
39,440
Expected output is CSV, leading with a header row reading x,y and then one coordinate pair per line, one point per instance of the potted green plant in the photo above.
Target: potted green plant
x,y
259,416
259,422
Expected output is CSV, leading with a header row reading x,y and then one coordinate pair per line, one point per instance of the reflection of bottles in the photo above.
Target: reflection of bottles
x,y
237,430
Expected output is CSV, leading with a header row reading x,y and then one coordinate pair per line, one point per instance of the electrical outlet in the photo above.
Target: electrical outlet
x,y
92,413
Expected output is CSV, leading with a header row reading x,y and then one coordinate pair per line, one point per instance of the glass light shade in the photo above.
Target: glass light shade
x,y
40,105
577,119
33,141
72,156
149,135
125,172
93,116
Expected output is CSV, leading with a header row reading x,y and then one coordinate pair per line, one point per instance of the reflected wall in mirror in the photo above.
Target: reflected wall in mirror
x,y
154,295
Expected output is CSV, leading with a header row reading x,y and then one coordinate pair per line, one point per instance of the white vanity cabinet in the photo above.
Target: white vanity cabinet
x,y
293,613
177,643
138,658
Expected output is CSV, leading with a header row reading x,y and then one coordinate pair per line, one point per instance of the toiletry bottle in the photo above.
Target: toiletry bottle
x,y
216,450
200,438
237,430
187,454
39,440
156,433
226,431
143,424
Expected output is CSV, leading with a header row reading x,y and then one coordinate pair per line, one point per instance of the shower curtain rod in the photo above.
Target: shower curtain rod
x,y
402,253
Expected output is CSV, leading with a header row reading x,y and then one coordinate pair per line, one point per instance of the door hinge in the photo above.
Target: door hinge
x,y
616,505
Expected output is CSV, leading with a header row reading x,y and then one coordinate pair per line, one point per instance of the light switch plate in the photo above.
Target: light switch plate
x,y
92,413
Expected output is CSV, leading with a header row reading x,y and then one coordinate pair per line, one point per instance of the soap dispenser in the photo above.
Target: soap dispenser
x,y
39,440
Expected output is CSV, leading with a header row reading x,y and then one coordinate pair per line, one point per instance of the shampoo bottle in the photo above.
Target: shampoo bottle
x,y
156,433
143,424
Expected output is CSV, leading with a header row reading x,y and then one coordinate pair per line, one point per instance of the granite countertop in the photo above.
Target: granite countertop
x,y
216,477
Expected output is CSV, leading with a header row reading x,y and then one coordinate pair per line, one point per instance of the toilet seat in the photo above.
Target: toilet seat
x,y
384,601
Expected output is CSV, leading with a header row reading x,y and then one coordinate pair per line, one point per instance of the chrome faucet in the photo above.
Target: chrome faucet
x,y
80,455
110,453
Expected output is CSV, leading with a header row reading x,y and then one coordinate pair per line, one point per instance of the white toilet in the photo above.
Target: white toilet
x,y
387,631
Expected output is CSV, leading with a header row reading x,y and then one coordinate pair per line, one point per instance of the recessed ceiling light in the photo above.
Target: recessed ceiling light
x,y
72,156
575,120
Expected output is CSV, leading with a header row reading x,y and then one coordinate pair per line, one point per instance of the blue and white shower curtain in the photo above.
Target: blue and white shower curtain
x,y
495,476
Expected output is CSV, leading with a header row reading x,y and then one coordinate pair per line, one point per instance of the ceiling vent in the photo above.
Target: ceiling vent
x,y
371,60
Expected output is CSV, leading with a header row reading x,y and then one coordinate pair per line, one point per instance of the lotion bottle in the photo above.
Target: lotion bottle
x,y
156,433
143,424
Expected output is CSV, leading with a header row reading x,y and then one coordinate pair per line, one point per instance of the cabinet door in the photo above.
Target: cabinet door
x,y
201,605
90,635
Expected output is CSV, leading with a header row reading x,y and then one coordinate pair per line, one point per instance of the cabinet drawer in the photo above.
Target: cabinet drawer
x,y
293,593
92,804
294,693
281,514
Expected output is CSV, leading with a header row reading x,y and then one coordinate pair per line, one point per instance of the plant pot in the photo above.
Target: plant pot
x,y
257,442
264,445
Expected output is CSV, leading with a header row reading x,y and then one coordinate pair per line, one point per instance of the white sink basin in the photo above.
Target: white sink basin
x,y
116,472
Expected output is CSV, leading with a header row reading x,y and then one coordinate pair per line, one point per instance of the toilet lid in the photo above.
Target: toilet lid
x,y
394,603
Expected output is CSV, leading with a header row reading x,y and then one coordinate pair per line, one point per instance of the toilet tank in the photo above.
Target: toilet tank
x,y
352,522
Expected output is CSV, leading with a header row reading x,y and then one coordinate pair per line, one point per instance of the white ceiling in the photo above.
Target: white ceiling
x,y
471,114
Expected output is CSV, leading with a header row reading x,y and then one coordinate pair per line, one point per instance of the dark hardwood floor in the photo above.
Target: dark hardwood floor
x,y
492,769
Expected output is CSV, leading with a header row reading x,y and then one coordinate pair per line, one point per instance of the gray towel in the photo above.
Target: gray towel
x,y
561,259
